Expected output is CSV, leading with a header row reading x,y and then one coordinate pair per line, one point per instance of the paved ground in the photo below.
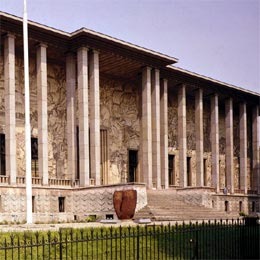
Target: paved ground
x,y
55,227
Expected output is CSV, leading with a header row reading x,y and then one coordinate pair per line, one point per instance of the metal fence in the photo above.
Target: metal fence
x,y
236,239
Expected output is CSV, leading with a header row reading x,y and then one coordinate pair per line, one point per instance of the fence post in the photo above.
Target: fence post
x,y
60,243
138,243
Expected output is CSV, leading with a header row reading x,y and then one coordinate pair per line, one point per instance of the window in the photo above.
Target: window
x,y
226,206
132,165
171,169
61,204
240,206
205,172
253,206
34,153
77,146
33,203
189,171
2,154
104,156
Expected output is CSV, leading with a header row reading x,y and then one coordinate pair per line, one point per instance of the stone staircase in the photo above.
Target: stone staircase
x,y
168,205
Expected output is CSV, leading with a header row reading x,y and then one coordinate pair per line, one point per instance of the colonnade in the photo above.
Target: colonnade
x,y
87,62
83,68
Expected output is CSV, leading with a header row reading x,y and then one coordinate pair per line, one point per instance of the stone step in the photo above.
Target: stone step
x,y
167,205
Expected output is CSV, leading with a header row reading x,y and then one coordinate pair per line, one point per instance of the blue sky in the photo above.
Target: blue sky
x,y
216,38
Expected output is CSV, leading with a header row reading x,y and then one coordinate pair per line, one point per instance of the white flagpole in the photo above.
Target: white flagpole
x,y
27,119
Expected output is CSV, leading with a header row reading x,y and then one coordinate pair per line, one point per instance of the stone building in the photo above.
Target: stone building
x,y
108,115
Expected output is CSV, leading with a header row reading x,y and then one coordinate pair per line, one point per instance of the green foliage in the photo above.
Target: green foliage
x,y
91,218
201,241
242,214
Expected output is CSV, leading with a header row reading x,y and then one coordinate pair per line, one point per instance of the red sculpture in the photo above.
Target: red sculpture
x,y
125,203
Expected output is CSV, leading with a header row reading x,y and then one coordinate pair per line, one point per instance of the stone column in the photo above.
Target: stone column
x,y
83,116
94,116
164,132
214,135
229,144
182,137
256,143
156,149
9,84
243,146
41,58
146,141
71,113
199,137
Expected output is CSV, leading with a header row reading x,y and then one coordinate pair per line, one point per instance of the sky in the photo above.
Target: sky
x,y
215,38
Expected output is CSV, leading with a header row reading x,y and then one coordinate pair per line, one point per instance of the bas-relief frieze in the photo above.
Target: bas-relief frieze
x,y
119,115
206,126
56,115
190,119
173,121
57,140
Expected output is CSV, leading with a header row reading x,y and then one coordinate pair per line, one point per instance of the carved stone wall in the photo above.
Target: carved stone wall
x,y
191,140
119,115
56,114
79,202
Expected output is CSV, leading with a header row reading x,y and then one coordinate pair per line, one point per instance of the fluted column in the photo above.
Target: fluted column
x,y
164,132
9,84
146,136
243,146
199,137
182,137
71,113
82,59
256,144
94,120
41,58
156,149
214,135
229,144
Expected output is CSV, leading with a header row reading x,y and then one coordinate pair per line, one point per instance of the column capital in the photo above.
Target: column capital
x,y
95,51
164,80
70,53
146,68
83,47
41,44
8,35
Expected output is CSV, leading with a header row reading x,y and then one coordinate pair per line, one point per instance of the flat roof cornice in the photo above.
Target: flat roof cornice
x,y
159,58
210,80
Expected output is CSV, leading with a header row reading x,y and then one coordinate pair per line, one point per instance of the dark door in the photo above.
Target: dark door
x,y
133,162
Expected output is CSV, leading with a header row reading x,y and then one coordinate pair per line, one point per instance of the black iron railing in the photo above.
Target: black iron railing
x,y
236,239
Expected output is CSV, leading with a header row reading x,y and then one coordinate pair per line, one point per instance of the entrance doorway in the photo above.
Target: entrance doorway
x,y
132,165
171,169
189,177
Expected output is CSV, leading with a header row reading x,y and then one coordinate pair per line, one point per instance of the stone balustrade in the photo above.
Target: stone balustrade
x,y
4,179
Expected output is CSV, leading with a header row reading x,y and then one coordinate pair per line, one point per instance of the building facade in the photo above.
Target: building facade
x,y
109,115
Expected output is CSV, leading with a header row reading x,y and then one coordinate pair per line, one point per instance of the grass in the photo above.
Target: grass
x,y
206,241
